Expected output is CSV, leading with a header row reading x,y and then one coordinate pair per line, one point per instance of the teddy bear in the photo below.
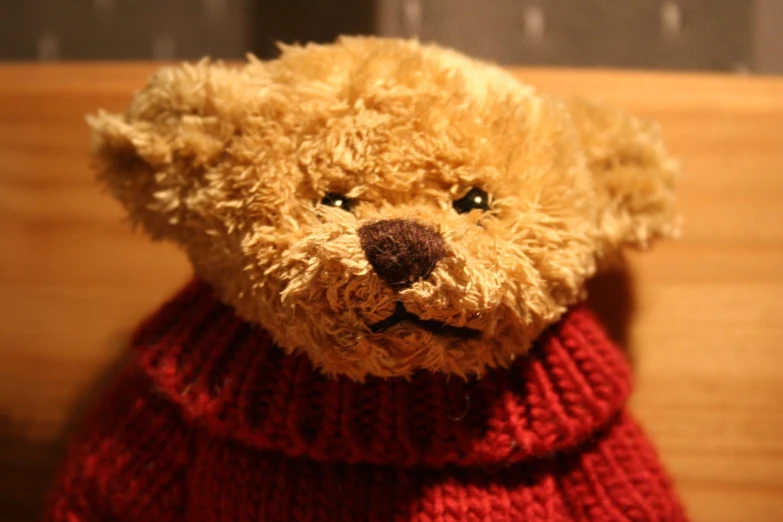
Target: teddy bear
x,y
390,243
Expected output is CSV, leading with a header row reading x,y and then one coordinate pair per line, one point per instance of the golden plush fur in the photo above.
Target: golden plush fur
x,y
232,162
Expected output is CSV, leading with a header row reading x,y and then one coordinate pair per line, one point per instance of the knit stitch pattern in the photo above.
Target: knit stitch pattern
x,y
213,423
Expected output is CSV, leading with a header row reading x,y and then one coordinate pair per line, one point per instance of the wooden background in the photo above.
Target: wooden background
x,y
701,317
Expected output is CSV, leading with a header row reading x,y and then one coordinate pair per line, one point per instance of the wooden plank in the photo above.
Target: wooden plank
x,y
701,316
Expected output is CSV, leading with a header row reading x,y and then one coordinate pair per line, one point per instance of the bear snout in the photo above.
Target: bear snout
x,y
401,251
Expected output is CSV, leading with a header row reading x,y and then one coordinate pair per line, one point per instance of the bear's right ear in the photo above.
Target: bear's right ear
x,y
153,157
633,175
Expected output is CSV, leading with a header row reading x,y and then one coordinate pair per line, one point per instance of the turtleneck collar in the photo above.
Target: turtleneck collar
x,y
229,378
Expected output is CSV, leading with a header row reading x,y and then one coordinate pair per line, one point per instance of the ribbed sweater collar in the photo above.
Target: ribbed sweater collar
x,y
230,379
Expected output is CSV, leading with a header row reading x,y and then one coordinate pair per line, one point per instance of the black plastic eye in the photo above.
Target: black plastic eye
x,y
474,199
333,199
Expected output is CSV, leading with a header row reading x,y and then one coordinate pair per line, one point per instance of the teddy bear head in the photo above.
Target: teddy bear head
x,y
386,206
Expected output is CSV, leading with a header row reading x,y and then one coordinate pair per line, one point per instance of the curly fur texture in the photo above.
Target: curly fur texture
x,y
232,162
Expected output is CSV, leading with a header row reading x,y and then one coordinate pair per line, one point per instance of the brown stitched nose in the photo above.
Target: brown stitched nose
x,y
401,251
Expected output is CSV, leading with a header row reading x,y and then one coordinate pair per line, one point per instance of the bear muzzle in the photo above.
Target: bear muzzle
x,y
401,251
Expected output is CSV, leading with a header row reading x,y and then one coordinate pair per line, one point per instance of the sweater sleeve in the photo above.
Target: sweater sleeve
x,y
128,463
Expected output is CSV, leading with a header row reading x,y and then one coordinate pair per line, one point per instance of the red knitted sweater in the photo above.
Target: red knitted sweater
x,y
213,423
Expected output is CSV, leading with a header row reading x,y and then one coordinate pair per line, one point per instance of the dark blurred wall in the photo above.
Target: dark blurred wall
x,y
719,35
123,29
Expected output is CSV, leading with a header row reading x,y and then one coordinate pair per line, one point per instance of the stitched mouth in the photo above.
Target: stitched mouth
x,y
401,315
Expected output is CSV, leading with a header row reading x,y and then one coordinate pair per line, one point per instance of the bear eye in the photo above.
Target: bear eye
x,y
333,199
474,199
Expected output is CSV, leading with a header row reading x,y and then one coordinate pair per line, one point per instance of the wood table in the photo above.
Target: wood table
x,y
702,317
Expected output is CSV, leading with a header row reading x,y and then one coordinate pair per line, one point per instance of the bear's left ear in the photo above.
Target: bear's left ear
x,y
633,176
153,156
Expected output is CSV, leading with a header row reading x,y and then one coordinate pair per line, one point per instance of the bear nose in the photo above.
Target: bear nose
x,y
401,251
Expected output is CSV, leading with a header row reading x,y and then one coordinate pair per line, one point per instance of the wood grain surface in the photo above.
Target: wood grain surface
x,y
701,317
